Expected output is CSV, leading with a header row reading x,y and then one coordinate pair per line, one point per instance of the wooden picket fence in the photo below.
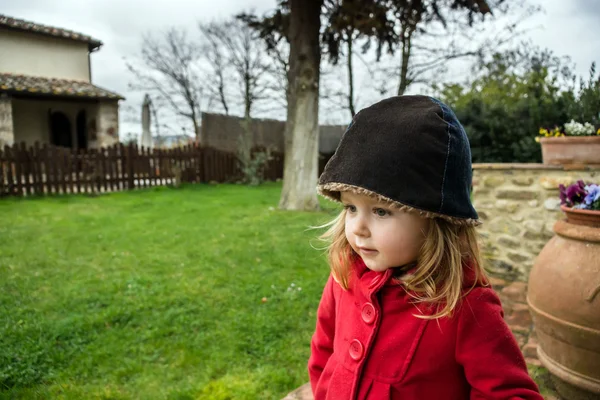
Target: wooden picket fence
x,y
49,170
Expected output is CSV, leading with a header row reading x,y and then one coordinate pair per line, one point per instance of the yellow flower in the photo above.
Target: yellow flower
x,y
543,131
598,131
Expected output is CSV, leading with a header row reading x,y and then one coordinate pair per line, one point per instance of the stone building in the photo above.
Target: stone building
x,y
46,90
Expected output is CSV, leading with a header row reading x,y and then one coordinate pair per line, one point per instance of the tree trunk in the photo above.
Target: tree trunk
x,y
289,125
350,77
406,49
301,162
247,96
197,132
222,95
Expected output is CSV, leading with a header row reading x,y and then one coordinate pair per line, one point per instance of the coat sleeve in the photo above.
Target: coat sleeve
x,y
322,341
486,348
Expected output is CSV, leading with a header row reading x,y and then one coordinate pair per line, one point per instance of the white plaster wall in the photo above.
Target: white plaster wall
x,y
37,55
31,118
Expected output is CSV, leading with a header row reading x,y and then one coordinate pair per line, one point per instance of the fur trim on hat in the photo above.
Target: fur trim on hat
x,y
332,191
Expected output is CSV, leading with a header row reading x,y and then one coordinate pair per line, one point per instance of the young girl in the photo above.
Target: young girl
x,y
407,312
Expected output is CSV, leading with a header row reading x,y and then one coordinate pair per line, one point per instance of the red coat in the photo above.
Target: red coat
x,y
368,345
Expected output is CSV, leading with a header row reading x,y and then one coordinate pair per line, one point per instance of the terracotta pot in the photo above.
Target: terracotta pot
x,y
571,150
564,300
582,217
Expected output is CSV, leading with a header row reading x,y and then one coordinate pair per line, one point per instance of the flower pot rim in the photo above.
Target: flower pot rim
x,y
584,139
579,210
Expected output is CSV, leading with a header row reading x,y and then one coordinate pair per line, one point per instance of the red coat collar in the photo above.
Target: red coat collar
x,y
370,282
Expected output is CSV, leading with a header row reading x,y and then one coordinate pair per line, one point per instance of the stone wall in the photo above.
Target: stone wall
x,y
519,204
107,125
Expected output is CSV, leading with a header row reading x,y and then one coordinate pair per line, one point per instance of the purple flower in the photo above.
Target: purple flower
x,y
593,194
580,196
562,194
573,194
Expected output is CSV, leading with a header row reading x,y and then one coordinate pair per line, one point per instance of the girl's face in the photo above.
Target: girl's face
x,y
383,237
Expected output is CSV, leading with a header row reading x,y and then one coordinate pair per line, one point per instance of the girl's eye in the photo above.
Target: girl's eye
x,y
381,212
350,208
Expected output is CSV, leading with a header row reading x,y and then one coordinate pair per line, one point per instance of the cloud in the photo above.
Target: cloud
x,y
120,24
587,9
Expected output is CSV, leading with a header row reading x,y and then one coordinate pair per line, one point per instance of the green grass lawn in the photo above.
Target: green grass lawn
x,y
157,294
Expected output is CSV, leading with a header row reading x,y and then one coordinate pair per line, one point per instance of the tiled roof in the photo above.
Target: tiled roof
x,y
27,26
34,85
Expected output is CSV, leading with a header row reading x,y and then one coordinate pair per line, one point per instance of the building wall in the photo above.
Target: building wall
x,y
519,204
223,132
31,118
37,55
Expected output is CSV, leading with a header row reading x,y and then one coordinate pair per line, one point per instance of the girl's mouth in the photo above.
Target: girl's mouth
x,y
367,251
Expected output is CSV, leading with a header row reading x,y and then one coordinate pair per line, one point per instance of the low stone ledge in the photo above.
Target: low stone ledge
x,y
537,166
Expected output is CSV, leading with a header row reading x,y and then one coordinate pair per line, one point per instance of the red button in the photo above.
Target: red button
x,y
356,349
368,313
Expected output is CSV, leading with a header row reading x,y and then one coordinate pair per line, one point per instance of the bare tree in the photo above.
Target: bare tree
x,y
278,48
300,22
239,63
169,70
338,84
301,158
214,53
238,53
278,83
346,87
432,37
350,22
275,30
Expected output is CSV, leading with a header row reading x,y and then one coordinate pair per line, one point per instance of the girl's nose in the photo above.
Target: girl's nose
x,y
360,226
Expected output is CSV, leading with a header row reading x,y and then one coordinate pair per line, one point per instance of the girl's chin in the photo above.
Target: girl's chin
x,y
375,267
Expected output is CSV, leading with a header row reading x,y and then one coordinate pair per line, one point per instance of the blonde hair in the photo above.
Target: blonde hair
x,y
439,276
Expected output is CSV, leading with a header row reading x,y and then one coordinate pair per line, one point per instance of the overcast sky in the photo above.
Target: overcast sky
x,y
567,27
